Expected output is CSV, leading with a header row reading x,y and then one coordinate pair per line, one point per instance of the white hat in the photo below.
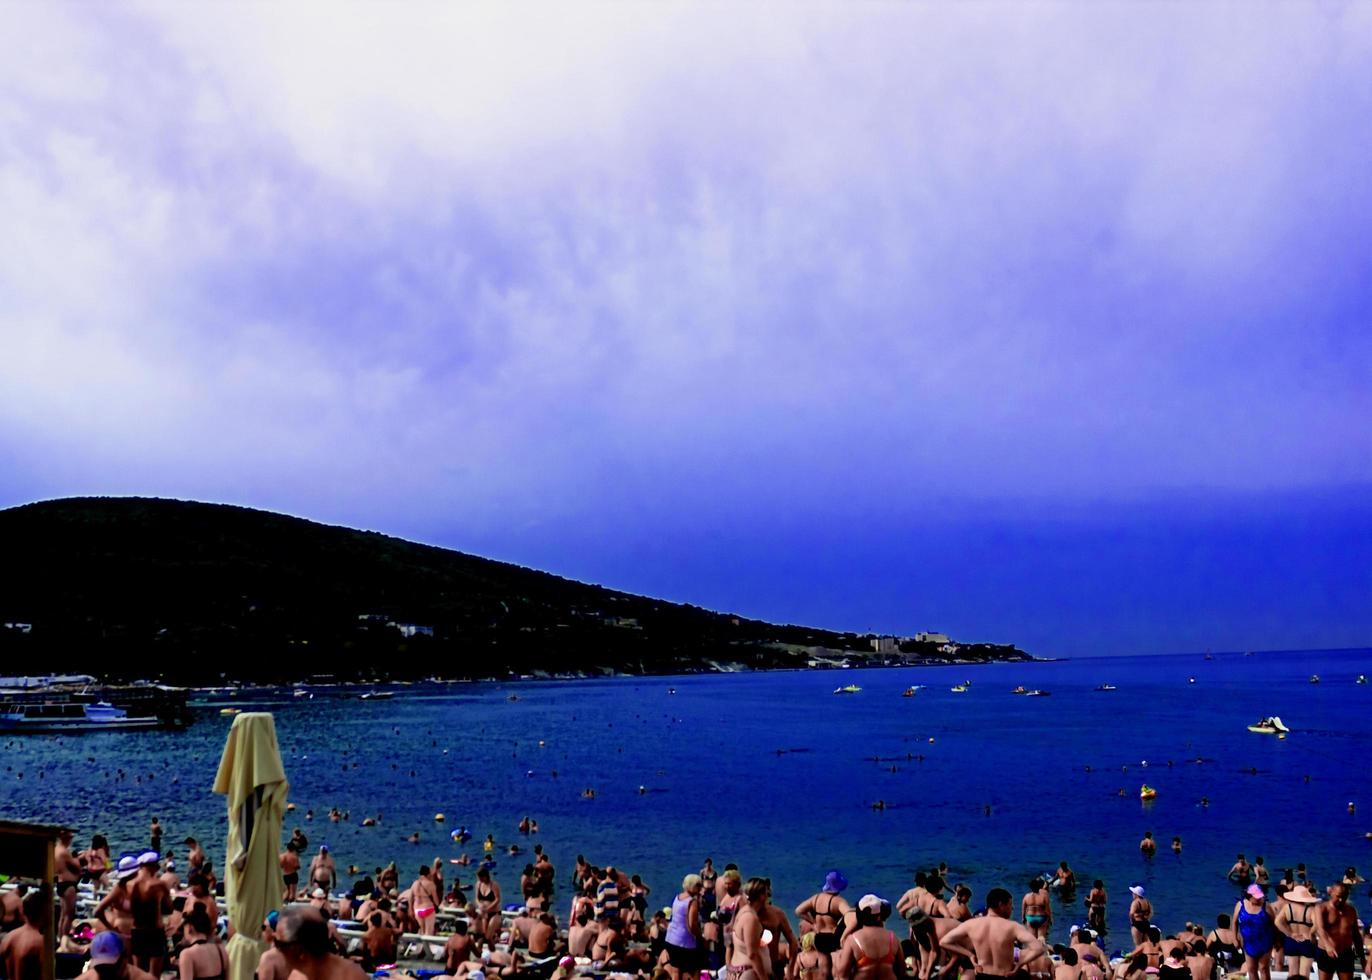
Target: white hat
x,y
1136,890
319,893
870,903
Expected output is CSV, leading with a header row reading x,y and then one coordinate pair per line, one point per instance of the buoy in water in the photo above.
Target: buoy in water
x,y
438,818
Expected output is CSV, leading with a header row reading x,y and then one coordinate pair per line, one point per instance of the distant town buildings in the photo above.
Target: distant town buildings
x,y
931,638
885,644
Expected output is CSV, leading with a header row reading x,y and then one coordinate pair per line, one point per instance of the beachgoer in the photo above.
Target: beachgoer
x,y
110,960
1090,957
323,873
914,897
290,870
609,947
1295,920
581,934
1257,934
22,950
487,895
870,950
1036,909
1150,949
460,947
543,936
169,877
1067,878
149,901
1096,902
683,940
1242,872
68,873
12,908
809,963
1148,846
749,957
1068,968
195,857
1140,914
1176,845
827,914
155,836
115,910
1223,944
302,936
988,941
1336,933
1261,875
1174,965
960,909
424,899
95,861
1199,961
775,921
380,943
202,958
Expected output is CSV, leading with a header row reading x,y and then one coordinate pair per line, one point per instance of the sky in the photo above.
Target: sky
x,y
1031,323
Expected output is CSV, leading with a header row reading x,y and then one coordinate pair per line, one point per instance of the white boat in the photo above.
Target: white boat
x,y
1362,679
91,717
958,689
847,689
1036,693
378,695
1106,687
1314,678
1269,726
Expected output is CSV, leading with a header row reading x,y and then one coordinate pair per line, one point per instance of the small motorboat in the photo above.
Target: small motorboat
x,y
1147,792
1269,726
958,689
909,692
847,689
1106,687
1362,679
1036,693
1314,678
1190,680
377,695
1019,689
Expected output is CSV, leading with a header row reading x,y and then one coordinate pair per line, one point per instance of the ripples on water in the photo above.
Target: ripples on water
x,y
716,783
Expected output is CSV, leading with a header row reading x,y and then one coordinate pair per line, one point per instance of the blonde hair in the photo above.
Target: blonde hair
x,y
807,942
689,882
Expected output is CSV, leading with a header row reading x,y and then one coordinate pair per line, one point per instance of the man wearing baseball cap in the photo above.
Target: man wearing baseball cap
x,y
989,941
109,962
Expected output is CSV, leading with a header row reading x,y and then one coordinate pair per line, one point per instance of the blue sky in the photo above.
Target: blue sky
x,y
1034,323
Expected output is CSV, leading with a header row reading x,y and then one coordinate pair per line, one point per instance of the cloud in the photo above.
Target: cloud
x,y
530,262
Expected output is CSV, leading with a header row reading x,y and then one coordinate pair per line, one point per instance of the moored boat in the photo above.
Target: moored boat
x,y
1314,678
1020,689
377,695
1036,693
958,689
80,705
1106,687
1269,726
847,689
910,692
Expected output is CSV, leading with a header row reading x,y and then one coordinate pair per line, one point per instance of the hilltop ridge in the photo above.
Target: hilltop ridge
x,y
194,593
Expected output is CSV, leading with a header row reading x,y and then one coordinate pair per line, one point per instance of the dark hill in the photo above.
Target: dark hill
x,y
194,592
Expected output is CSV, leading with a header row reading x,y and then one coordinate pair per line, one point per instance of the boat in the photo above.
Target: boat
x,y
378,695
1269,726
1036,693
1147,792
1019,690
77,704
1314,678
959,689
910,692
301,693
1106,687
1190,680
230,711
847,689
1362,679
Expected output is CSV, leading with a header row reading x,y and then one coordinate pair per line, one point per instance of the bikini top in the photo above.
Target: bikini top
x,y
888,957
1291,919
829,910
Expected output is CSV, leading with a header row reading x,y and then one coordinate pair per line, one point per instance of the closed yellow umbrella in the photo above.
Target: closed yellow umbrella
x,y
253,780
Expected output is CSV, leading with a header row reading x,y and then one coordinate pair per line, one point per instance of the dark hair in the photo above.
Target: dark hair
x,y
179,903
1069,956
375,919
37,907
1222,921
1097,884
1154,934
98,841
1198,947
1084,936
483,874
997,897
199,920
384,904
1139,962
1035,884
460,927
921,877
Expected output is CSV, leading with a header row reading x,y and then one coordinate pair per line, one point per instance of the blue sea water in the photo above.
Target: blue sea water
x,y
775,772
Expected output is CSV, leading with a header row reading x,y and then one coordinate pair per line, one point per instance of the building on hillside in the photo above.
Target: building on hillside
x,y
885,644
931,638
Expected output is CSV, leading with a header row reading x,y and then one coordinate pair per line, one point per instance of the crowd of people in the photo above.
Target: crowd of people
x,y
145,921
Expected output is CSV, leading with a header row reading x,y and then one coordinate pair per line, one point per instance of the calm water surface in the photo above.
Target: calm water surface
x,y
776,773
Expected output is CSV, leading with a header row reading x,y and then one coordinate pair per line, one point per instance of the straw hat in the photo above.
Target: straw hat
x,y
1302,895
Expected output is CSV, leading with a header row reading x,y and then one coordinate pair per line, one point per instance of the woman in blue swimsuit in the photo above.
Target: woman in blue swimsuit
x,y
1257,933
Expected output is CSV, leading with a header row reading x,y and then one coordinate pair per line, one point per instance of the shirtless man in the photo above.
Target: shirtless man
x,y
379,943
543,936
302,936
323,874
290,871
827,913
959,909
170,878
460,948
1036,909
195,857
68,874
1148,846
200,895
774,918
1336,933
1067,878
21,951
989,941
12,908
149,900
1242,872
273,965
748,959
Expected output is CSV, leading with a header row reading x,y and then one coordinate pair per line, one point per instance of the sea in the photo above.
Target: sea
x,y
778,774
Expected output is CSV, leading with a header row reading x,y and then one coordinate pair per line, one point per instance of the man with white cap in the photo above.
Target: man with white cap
x,y
109,960
1140,914
989,940
115,911
149,900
